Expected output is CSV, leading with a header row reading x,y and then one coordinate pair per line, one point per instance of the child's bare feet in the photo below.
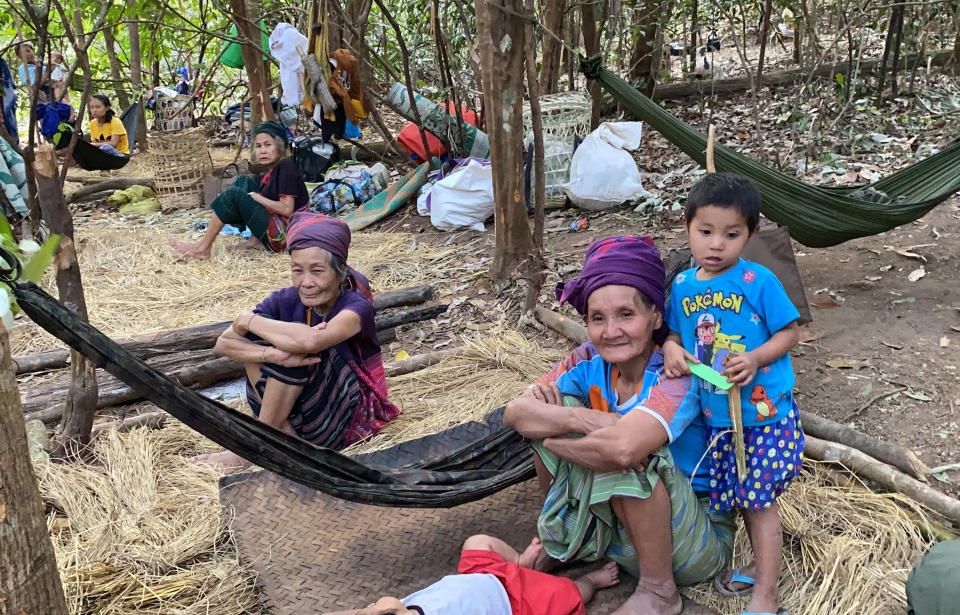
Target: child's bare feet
x,y
529,556
190,250
588,584
545,563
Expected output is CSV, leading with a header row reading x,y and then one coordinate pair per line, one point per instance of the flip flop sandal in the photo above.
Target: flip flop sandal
x,y
780,611
736,577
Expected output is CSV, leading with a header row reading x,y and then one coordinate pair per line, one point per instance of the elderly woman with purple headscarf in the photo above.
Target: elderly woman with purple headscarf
x,y
310,350
618,444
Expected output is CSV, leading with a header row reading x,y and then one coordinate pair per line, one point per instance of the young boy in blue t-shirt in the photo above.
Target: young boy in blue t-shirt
x,y
735,316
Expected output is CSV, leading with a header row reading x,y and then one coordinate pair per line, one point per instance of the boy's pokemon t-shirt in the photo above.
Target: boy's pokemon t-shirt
x,y
736,311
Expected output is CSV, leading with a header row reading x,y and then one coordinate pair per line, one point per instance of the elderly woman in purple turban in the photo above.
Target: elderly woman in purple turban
x,y
310,350
618,444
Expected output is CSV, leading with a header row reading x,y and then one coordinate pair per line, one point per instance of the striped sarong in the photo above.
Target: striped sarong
x,y
578,523
328,404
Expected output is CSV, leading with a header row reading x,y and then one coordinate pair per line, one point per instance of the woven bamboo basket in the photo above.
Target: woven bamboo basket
x,y
564,115
181,161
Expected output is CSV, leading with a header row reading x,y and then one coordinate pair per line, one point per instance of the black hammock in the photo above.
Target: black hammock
x,y
470,473
89,157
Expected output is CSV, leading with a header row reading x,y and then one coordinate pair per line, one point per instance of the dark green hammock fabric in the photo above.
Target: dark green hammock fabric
x,y
816,217
470,473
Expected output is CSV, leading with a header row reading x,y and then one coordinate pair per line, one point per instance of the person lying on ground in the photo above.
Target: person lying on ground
x,y
310,350
493,579
607,422
263,204
106,129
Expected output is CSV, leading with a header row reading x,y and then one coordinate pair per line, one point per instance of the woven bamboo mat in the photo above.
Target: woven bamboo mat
x,y
314,553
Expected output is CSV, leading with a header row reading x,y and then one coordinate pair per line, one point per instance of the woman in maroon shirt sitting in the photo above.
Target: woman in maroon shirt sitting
x,y
261,204
310,350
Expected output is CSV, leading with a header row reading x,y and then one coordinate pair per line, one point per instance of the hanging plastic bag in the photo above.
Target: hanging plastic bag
x,y
602,171
464,198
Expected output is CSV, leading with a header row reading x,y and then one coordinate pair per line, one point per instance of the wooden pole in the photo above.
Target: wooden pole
x,y
886,476
29,581
81,402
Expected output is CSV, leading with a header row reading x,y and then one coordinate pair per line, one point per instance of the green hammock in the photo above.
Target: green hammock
x,y
816,217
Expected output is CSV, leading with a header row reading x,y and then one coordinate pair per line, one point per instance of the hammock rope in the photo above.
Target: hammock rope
x,y
469,473
816,217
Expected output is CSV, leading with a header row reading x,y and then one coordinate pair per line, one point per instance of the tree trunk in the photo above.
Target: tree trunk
x,y
647,51
249,31
591,42
501,38
29,581
81,402
764,37
956,43
898,11
110,43
550,47
694,24
136,80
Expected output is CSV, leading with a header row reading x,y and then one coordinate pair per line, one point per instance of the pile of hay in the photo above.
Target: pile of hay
x,y
484,375
133,283
846,548
139,529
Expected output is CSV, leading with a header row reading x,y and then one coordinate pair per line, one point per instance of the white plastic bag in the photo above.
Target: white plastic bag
x,y
463,198
602,172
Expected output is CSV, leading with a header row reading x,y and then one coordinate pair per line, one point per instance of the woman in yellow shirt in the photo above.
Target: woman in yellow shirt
x,y
106,130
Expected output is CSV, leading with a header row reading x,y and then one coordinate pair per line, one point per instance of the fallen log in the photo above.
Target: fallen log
x,y
887,452
414,295
566,327
196,368
417,362
388,320
118,183
884,475
785,77
150,420
86,181
199,337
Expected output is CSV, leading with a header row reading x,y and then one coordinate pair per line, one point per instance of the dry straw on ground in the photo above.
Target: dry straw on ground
x,y
138,529
134,284
484,375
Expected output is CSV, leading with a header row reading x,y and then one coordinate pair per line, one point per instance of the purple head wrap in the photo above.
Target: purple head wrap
x,y
629,260
310,230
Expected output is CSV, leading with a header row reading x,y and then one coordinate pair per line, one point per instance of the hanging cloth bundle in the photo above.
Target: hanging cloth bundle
x,y
470,473
816,217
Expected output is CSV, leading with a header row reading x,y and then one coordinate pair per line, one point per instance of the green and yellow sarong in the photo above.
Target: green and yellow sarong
x,y
577,521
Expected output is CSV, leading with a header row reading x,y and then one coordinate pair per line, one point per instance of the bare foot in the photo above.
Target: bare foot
x,y
226,461
588,584
608,576
190,250
739,587
763,600
528,558
652,599
543,562
251,243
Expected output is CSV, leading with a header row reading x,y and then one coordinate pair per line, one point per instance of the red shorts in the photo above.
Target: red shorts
x,y
530,592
